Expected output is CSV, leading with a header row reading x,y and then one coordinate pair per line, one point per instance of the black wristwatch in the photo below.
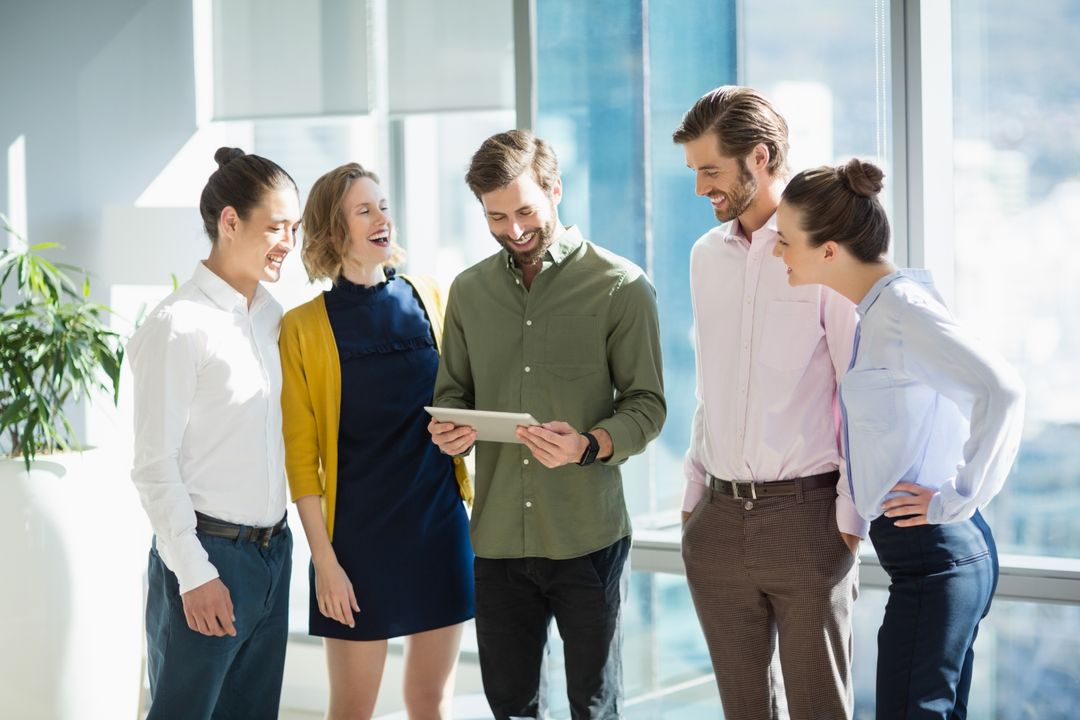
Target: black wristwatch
x,y
589,456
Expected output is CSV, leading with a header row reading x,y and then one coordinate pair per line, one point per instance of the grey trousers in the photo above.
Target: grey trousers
x,y
767,571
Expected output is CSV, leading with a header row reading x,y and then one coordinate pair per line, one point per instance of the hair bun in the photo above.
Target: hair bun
x,y
226,155
860,177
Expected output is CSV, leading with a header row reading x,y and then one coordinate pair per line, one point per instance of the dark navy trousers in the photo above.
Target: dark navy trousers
x,y
200,677
943,578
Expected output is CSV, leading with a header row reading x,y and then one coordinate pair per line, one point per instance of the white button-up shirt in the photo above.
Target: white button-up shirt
x,y
207,417
769,357
926,403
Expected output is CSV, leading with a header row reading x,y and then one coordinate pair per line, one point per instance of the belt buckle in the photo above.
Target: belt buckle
x,y
264,537
735,489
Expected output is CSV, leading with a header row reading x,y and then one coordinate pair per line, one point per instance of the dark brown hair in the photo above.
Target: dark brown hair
x,y
326,233
503,158
240,182
841,204
742,118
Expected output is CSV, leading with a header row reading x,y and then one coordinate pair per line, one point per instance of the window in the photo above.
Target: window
x,y
613,81
1016,97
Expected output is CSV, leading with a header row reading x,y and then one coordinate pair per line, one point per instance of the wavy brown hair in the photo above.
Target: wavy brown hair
x,y
505,157
742,118
326,233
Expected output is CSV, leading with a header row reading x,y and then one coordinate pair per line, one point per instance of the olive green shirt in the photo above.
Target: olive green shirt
x,y
582,346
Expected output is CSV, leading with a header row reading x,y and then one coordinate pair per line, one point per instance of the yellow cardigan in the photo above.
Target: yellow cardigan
x,y
311,397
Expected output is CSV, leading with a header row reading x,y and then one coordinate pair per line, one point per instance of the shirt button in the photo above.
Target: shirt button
x,y
528,322
528,503
528,369
525,461
748,505
517,282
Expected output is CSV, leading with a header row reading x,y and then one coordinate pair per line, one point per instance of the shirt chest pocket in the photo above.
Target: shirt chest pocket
x,y
869,400
791,333
573,347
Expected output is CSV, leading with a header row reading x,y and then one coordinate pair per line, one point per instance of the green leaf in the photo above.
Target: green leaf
x,y
13,411
54,349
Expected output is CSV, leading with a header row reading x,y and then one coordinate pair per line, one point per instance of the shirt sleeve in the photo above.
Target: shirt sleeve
x,y
299,428
839,318
454,386
693,465
693,468
633,356
165,367
936,351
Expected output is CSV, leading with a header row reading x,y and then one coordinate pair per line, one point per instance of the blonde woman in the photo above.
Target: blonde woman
x,y
380,505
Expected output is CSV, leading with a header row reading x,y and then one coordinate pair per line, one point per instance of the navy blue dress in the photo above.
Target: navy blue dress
x,y
400,528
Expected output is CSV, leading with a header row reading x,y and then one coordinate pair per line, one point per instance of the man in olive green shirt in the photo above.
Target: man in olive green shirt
x,y
557,327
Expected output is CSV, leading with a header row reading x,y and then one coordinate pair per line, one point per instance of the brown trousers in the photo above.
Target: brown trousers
x,y
767,570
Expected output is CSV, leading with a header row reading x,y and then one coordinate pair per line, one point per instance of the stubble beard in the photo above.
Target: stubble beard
x,y
740,197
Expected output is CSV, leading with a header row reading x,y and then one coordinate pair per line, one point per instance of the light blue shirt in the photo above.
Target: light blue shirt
x,y
924,402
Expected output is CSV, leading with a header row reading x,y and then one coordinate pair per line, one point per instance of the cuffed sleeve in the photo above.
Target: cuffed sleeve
x,y
165,368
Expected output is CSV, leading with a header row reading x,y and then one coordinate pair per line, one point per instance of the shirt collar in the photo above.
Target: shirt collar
x,y
919,275
567,241
224,295
733,230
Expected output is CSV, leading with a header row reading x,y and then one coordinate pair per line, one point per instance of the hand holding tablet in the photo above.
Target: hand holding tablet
x,y
489,425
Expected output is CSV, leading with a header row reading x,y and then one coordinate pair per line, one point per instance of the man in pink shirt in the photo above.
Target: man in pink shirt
x,y
770,533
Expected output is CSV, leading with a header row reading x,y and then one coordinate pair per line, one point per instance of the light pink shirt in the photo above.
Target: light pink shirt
x,y
769,359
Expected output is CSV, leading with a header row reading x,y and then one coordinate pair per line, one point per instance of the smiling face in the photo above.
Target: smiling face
x,y
523,218
257,246
367,219
726,181
805,264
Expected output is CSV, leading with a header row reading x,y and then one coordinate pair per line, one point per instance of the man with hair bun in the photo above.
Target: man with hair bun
x,y
558,327
770,534
209,457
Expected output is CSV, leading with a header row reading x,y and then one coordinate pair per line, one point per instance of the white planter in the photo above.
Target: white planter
x,y
73,543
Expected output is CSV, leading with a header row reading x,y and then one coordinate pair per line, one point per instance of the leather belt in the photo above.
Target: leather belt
x,y
750,490
207,525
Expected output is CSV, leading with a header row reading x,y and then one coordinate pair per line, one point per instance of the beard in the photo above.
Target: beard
x,y
546,233
738,197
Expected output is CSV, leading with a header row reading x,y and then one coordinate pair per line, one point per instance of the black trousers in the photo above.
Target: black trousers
x,y
515,602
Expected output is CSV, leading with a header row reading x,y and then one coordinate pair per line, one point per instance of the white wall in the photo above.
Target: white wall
x,y
104,95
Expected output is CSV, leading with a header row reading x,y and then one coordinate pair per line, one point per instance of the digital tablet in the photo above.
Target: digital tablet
x,y
489,425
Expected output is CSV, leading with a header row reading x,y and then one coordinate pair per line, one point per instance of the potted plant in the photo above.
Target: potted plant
x,y
54,349
70,610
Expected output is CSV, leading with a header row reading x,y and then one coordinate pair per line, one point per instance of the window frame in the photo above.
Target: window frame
x,y
919,33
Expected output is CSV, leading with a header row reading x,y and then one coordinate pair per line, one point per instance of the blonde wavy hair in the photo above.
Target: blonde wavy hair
x,y
326,234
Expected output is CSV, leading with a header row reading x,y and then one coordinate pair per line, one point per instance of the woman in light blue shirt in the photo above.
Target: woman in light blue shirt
x,y
932,424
